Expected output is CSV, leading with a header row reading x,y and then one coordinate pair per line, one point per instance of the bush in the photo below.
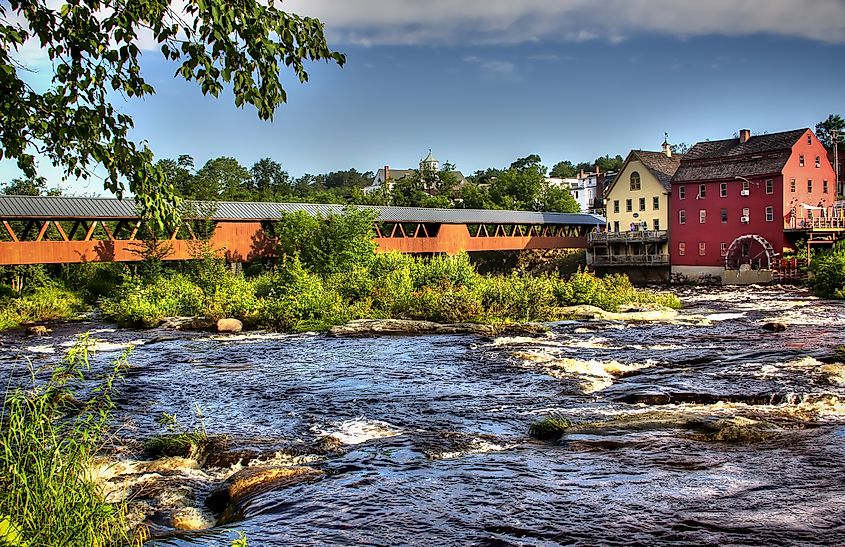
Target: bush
x,y
139,304
45,303
444,271
829,272
46,497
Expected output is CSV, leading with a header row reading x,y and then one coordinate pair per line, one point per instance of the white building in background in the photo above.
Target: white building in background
x,y
388,177
586,188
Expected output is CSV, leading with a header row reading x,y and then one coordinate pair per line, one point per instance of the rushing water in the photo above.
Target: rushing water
x,y
434,429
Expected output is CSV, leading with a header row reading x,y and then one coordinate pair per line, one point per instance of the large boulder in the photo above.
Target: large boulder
x,y
774,326
253,480
229,325
38,330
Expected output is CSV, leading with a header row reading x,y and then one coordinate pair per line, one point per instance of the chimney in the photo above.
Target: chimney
x,y
581,175
744,135
598,170
386,173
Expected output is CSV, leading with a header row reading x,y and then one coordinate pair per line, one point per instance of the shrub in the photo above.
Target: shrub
x,y
829,272
445,305
138,304
44,303
444,271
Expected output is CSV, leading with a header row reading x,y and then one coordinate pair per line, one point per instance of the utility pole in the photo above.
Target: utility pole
x,y
834,133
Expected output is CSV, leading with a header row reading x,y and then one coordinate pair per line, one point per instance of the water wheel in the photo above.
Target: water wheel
x,y
750,252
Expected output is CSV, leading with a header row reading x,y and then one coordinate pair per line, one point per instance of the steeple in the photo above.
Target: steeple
x,y
429,163
667,148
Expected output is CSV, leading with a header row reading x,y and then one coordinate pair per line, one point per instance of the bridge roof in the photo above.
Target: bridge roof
x,y
61,207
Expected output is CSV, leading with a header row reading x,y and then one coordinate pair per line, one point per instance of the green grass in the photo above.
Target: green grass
x,y
47,442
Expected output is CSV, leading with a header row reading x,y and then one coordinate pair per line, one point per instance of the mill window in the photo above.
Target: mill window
x,y
682,217
770,186
615,205
770,214
702,216
682,248
642,204
702,248
655,203
682,192
723,190
629,205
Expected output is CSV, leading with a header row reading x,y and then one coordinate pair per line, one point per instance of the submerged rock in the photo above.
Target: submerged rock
x,y
187,323
191,518
229,325
253,480
638,314
774,326
734,430
370,327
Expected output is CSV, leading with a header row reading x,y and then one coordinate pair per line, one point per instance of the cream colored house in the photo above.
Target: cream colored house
x,y
637,204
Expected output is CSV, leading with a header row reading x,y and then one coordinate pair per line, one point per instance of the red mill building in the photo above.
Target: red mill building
x,y
736,204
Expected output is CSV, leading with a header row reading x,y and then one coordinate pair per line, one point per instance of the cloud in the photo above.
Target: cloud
x,y
446,22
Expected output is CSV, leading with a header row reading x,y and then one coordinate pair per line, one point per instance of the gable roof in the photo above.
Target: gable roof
x,y
657,163
726,159
661,166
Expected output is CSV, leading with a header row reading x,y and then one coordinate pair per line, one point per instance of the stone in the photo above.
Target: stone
x,y
191,518
229,325
253,480
38,330
774,326
640,313
188,323
409,327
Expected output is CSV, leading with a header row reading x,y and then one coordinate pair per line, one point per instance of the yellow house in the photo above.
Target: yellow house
x,y
637,202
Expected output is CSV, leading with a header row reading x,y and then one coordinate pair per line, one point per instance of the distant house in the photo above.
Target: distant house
x,y
637,202
586,189
737,204
387,177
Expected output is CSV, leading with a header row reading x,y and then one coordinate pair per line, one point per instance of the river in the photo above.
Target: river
x,y
434,429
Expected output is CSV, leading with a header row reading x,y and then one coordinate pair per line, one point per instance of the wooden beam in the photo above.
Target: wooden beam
x,y
9,229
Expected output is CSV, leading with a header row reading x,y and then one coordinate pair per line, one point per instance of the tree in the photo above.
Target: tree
x,y
680,148
529,162
29,187
92,47
607,163
179,174
269,180
564,170
558,200
224,178
825,129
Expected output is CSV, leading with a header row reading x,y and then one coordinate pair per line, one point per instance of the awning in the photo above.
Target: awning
x,y
805,206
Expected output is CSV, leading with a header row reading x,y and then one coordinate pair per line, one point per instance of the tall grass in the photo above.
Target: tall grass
x,y
47,441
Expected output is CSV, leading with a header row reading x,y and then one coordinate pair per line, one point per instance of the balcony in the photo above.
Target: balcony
x,y
628,260
634,236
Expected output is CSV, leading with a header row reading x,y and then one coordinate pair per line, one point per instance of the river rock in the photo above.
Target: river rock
x,y
253,480
38,330
188,323
370,327
229,325
774,326
641,313
191,518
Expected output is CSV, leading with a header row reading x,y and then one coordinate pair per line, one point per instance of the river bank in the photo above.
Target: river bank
x,y
404,430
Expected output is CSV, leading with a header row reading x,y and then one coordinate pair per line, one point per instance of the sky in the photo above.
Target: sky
x,y
481,83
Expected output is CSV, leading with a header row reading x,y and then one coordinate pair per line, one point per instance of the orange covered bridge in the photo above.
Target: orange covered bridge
x,y
56,230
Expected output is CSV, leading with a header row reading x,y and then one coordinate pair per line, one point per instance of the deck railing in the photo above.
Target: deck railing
x,y
633,236
629,260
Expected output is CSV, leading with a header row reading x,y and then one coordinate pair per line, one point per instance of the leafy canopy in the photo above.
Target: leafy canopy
x,y
92,46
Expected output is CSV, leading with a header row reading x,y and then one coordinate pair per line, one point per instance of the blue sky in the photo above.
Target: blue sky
x,y
564,80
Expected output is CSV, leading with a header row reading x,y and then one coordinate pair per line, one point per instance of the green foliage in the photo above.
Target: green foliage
x,y
335,243
139,302
48,303
444,271
550,427
46,447
828,268
92,48
826,128
563,170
